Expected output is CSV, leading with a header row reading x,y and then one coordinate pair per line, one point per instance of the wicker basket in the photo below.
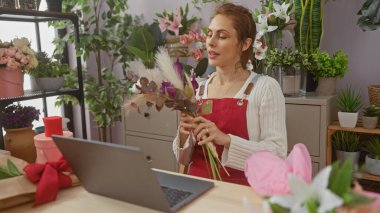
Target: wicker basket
x,y
374,94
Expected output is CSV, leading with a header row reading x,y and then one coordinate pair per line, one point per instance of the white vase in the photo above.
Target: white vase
x,y
372,166
348,119
370,122
50,84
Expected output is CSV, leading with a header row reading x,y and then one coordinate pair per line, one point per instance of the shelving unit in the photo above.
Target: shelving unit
x,y
359,129
32,16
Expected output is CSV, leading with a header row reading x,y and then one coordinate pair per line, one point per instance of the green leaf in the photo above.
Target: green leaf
x,y
142,39
354,199
340,178
137,52
201,67
13,169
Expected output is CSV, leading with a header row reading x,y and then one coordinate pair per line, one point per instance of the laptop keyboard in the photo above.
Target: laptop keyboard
x,y
175,196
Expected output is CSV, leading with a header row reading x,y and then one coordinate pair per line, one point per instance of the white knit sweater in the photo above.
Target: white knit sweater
x,y
265,123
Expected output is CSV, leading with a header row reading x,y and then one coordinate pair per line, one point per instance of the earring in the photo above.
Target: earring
x,y
249,65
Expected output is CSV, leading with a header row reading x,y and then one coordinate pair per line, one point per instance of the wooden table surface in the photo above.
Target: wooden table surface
x,y
223,197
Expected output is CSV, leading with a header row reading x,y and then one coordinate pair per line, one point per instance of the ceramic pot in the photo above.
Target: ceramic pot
x,y
372,165
50,84
343,156
20,143
11,82
326,86
348,119
369,122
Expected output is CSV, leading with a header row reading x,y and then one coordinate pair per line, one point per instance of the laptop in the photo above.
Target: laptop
x,y
123,173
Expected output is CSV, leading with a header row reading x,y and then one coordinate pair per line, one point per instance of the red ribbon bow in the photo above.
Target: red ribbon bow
x,y
50,178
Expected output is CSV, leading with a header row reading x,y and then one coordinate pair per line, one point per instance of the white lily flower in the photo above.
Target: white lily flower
x,y
302,193
262,25
281,11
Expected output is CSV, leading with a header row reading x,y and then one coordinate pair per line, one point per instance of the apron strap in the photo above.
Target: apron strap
x,y
249,87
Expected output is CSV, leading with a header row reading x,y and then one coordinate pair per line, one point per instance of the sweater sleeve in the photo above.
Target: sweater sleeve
x,y
184,154
265,122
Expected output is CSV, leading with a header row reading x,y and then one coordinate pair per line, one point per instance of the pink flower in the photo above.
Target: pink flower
x,y
176,23
201,38
24,60
2,52
185,39
197,54
11,52
163,23
195,26
4,60
19,55
192,35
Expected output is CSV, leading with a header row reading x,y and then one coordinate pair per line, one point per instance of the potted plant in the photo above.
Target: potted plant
x,y
369,15
284,66
176,24
349,103
370,116
372,159
327,69
346,145
17,122
16,58
49,74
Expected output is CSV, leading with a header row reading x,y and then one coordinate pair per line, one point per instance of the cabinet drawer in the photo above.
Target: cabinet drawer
x,y
303,126
160,152
152,122
315,167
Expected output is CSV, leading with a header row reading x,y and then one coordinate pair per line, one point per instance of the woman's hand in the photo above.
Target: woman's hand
x,y
185,123
207,131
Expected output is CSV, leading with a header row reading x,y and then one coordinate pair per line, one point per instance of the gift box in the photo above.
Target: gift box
x,y
18,190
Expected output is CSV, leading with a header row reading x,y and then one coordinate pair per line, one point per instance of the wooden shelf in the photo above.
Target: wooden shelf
x,y
358,129
367,176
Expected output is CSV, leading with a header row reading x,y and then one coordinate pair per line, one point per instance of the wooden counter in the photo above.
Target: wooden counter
x,y
223,197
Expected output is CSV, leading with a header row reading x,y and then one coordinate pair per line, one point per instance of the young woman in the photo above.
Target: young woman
x,y
242,112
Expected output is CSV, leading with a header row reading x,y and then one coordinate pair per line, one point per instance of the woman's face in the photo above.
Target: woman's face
x,y
222,42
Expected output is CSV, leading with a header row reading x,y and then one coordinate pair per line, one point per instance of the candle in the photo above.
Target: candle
x,y
53,125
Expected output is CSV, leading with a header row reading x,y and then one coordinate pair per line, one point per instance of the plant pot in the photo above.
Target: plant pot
x,y
348,119
175,48
374,94
8,3
29,4
326,86
11,82
54,5
290,80
370,122
33,84
343,156
50,84
372,165
20,143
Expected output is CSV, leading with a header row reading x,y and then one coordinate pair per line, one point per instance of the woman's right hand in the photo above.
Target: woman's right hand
x,y
185,123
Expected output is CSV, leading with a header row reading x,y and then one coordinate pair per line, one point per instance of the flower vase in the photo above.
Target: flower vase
x,y
20,143
11,82
175,48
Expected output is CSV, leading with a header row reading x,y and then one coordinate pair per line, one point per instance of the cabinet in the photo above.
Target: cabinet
x,y
31,16
153,132
359,129
307,119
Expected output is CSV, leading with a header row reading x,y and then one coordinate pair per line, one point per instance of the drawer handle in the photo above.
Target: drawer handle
x,y
146,114
149,159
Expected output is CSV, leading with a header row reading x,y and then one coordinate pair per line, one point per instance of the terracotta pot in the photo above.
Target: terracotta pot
x,y
11,82
20,143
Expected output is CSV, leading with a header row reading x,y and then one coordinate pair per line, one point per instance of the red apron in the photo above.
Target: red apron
x,y
230,117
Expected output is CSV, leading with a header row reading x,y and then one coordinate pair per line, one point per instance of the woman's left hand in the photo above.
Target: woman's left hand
x,y
207,131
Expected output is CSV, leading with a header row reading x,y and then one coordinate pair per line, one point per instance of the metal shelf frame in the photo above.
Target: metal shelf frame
x,y
32,16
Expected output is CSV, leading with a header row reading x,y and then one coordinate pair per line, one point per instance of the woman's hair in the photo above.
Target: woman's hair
x,y
243,24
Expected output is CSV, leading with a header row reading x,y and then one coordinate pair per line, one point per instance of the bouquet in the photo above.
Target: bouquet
x,y
17,54
168,86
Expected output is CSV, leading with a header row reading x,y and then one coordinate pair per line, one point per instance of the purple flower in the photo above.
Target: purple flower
x,y
194,82
178,67
17,116
167,88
